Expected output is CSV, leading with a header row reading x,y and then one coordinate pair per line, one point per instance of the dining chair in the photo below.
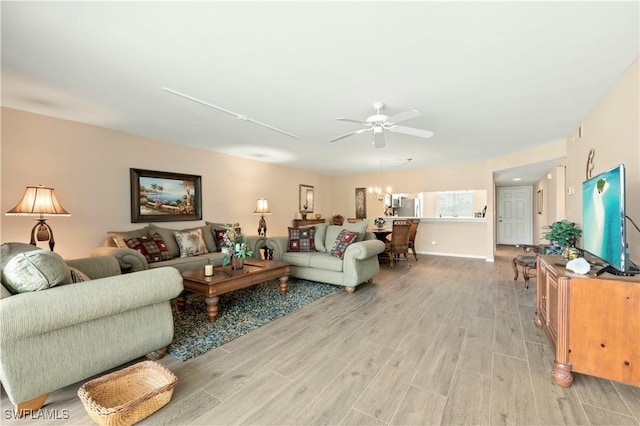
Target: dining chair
x,y
412,236
354,219
399,243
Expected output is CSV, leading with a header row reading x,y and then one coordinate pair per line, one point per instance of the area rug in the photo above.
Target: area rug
x,y
239,312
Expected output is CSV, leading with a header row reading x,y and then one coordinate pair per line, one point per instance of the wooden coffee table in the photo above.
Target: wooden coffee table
x,y
225,280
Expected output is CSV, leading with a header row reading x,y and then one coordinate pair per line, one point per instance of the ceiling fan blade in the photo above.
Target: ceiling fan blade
x,y
378,138
412,131
406,115
226,111
352,121
357,132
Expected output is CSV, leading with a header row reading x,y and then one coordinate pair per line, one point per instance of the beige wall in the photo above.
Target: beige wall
x,y
612,129
89,168
553,202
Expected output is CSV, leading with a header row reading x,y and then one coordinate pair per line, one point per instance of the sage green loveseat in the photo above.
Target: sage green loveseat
x,y
358,265
54,337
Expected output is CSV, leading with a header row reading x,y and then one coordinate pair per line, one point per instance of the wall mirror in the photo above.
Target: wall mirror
x,y
306,198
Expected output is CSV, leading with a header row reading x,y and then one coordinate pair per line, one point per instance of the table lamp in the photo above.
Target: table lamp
x,y
262,208
39,201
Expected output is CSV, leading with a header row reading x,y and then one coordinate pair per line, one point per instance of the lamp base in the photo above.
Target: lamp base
x,y
262,227
43,232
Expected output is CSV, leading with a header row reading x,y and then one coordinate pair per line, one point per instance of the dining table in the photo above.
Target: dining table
x,y
382,234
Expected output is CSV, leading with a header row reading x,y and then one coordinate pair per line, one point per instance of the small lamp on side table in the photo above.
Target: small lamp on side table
x,y
39,201
262,208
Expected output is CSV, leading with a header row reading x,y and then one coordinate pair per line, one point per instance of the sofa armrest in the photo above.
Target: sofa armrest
x,y
364,249
255,243
129,259
96,267
33,313
278,245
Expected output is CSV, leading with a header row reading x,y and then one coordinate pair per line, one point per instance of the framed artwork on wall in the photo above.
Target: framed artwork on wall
x,y
361,203
165,197
305,198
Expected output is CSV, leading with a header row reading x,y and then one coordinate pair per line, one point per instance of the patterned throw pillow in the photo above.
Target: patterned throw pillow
x,y
152,248
302,239
345,238
191,243
218,234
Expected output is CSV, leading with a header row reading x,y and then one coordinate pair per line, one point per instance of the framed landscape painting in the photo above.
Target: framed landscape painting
x,y
165,197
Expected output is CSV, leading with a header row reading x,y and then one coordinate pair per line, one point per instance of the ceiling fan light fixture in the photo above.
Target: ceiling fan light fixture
x,y
378,123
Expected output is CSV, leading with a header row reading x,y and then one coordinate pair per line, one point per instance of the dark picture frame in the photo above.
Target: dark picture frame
x,y
164,196
361,203
306,198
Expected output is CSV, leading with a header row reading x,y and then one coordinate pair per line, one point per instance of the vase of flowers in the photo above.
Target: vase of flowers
x,y
234,248
379,222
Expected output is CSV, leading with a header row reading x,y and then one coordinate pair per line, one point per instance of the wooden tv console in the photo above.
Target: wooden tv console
x,y
593,323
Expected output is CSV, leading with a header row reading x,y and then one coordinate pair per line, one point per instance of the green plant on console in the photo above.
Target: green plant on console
x,y
565,234
234,246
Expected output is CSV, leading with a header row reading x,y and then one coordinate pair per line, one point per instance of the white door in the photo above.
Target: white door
x,y
514,215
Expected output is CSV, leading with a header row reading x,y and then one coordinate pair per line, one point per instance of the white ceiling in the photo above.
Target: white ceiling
x,y
490,78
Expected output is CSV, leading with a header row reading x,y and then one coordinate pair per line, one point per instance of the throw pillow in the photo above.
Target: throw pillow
x,y
219,231
35,270
191,243
77,276
119,237
219,237
321,233
168,236
345,238
360,228
302,239
153,248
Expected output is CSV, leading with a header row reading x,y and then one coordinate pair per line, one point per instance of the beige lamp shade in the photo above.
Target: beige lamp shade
x,y
38,201
262,207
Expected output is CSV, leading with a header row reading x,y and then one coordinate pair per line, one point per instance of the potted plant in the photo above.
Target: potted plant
x,y
337,219
564,234
234,248
379,222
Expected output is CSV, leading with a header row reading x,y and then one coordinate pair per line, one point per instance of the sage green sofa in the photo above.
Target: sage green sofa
x,y
53,337
358,265
133,260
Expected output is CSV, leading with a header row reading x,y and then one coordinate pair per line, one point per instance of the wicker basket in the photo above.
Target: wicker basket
x,y
127,396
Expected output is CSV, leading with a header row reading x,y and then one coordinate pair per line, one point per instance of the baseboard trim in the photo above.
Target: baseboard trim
x,y
468,256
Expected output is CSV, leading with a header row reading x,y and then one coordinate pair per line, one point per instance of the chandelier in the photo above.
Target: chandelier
x,y
380,191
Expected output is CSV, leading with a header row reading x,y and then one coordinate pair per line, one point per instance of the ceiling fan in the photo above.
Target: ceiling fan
x,y
378,123
226,111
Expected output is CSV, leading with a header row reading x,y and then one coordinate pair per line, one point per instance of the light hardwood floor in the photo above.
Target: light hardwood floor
x,y
447,341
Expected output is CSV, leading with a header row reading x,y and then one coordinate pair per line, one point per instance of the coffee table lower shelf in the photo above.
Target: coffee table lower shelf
x,y
225,280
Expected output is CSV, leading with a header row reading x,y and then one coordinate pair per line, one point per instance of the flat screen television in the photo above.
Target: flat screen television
x,y
604,220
